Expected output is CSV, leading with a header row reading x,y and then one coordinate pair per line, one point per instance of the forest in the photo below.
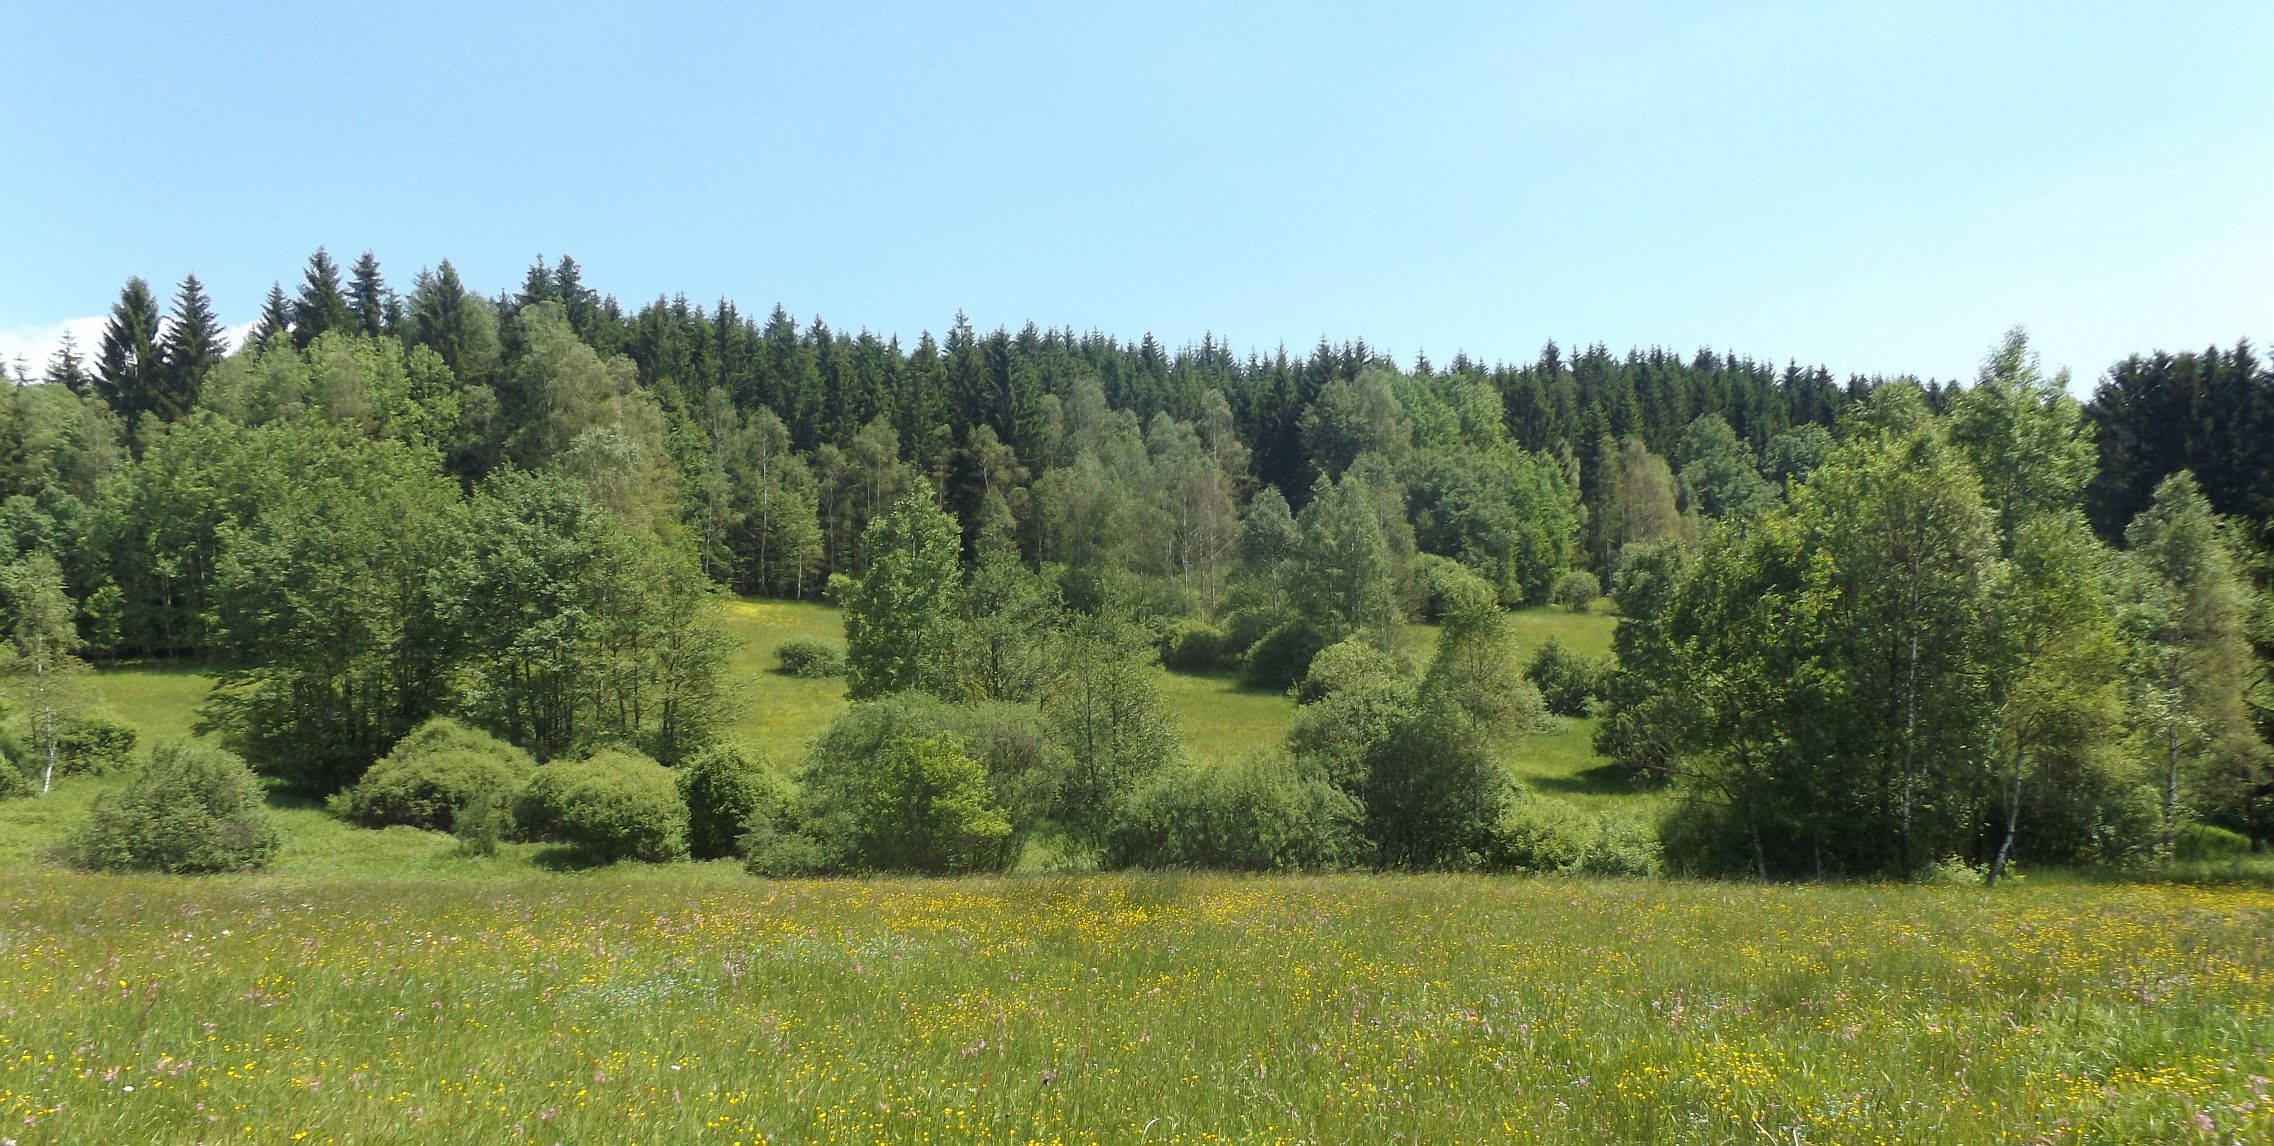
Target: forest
x,y
456,561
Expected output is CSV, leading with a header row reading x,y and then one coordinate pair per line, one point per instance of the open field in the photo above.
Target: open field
x,y
691,1004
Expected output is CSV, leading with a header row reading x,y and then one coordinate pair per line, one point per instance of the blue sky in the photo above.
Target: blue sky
x,y
1875,188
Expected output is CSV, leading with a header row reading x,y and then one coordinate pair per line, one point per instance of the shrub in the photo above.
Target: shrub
x,y
1244,627
1265,813
442,766
1282,656
93,742
1576,590
13,781
1537,833
615,805
723,789
189,808
2205,843
1567,681
480,823
1195,646
804,657
922,805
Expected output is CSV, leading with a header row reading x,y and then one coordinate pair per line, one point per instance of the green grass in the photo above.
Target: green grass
x,y
158,700
776,714
690,1004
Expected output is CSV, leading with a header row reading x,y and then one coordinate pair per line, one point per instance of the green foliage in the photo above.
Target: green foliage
x,y
804,657
1576,590
577,631
1542,834
1475,668
1104,712
1264,813
900,614
1020,764
1353,700
433,774
1720,477
189,808
1196,646
2206,843
1504,512
1568,681
1434,792
614,805
1281,656
724,789
1339,575
481,823
324,607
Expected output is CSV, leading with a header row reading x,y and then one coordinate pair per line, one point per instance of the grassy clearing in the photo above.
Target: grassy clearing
x,y
689,1004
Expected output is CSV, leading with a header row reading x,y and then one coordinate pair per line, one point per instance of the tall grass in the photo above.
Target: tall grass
x,y
689,1004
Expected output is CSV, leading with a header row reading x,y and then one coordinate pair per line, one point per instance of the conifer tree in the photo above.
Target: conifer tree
x,y
67,367
276,317
371,300
127,372
193,346
322,305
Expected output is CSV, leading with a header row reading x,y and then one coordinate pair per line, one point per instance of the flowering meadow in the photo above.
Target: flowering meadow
x,y
690,1004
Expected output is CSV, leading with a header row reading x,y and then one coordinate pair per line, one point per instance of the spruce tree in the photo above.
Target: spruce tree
x,y
369,296
322,305
193,345
276,317
68,368
127,371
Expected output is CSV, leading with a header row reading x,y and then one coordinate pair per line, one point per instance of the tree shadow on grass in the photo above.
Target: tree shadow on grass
x,y
1601,780
562,857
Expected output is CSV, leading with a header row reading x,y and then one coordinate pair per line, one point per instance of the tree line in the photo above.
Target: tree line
x,y
2041,623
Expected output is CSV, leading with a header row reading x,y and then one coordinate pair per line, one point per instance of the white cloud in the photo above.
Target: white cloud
x,y
33,346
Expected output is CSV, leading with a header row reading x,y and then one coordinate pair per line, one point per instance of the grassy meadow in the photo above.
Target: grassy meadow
x,y
692,1004
379,987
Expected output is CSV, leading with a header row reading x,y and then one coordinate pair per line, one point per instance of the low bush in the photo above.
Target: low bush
x,y
615,805
93,742
189,808
2206,843
724,789
1265,813
13,781
804,657
1196,646
1568,681
1282,656
481,823
1541,834
440,768
1576,590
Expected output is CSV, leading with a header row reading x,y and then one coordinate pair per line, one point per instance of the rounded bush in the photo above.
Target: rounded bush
x,y
805,657
1576,590
1282,656
189,808
724,789
1195,646
432,774
2203,843
616,805
1265,813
